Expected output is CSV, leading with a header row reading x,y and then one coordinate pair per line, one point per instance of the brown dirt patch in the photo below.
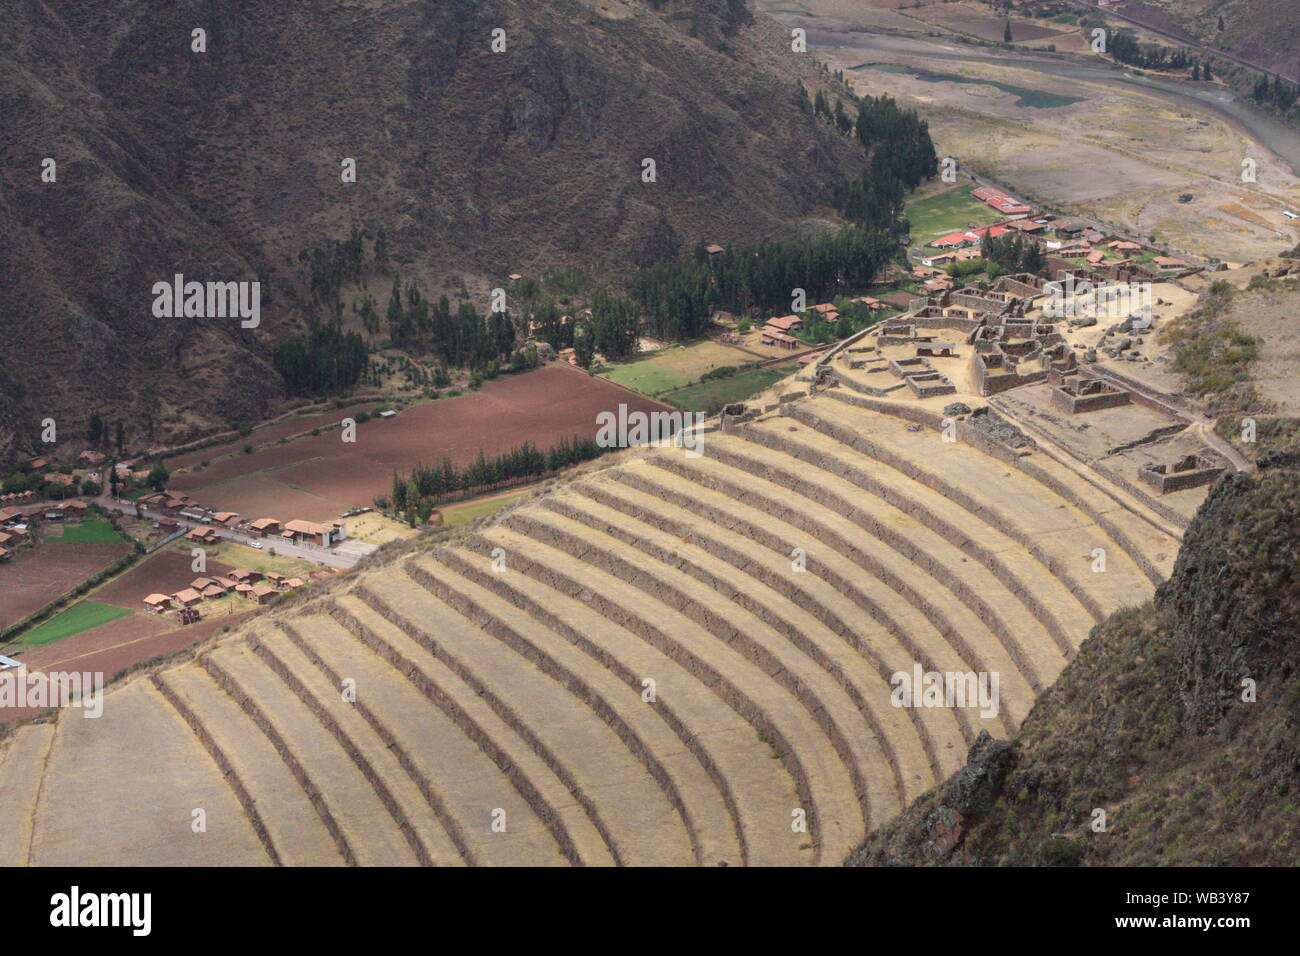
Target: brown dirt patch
x,y
34,577
318,477
115,647
166,572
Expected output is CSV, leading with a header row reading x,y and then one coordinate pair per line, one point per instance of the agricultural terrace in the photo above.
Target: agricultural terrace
x,y
709,396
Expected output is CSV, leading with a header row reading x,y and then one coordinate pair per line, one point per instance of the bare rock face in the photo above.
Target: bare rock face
x,y
1233,600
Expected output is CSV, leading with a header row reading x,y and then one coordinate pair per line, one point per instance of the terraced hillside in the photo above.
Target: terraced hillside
x,y
669,660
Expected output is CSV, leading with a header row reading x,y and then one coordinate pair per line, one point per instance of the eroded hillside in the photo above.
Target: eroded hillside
x,y
226,164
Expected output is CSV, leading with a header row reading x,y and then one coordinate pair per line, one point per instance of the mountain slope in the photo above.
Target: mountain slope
x,y
1149,723
225,163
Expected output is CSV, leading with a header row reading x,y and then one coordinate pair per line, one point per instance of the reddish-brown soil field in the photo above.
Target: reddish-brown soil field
x,y
163,573
539,407
295,425
115,647
35,577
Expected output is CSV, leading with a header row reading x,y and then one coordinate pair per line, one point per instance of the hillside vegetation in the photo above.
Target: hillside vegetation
x,y
1154,723
226,164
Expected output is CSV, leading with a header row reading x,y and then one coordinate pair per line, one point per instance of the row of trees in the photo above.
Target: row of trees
x,y
1126,48
678,298
1277,93
1013,254
416,494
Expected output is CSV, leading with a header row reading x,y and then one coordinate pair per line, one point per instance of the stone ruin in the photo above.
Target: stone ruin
x,y
1189,471
1012,351
1074,397
921,377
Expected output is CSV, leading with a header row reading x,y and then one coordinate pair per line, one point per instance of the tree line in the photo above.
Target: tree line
x,y
416,494
324,360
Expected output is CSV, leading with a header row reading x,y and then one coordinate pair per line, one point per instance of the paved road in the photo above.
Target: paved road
x,y
353,551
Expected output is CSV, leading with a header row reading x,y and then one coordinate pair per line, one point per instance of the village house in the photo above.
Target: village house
x,y
157,603
245,576
225,518
777,338
785,323
188,597
4,554
262,594
293,583
265,526
307,532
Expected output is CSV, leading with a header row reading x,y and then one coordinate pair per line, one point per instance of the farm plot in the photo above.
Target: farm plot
x,y
165,572
296,425
318,477
36,576
710,396
81,616
673,367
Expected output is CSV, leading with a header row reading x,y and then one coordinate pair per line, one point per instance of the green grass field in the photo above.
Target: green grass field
x,y
90,531
672,367
82,616
456,515
946,212
710,396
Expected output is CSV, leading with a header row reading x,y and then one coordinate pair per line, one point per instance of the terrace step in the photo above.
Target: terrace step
x,y
891,636
22,770
641,824
1031,595
952,592
764,691
1009,607
1124,516
756,791
377,755
424,741
346,801
687,547
295,832
847,634
382,628
1020,504
90,777
665,755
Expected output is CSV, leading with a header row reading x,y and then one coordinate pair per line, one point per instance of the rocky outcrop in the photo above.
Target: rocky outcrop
x,y
1173,737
